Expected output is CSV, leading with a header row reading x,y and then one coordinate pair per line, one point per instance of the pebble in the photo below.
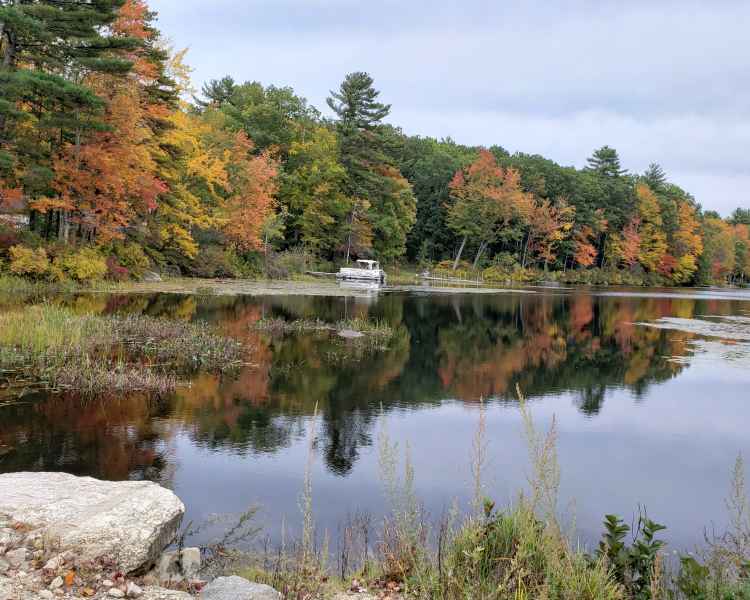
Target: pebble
x,y
53,564
133,591
57,582
116,593
107,583
46,595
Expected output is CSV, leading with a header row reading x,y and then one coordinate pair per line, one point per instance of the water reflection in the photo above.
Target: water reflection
x,y
446,348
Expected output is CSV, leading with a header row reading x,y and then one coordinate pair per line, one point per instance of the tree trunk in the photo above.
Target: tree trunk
x,y
482,248
60,224
8,60
525,251
460,252
9,56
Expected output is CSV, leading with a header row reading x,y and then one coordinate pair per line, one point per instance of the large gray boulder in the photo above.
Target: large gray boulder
x,y
129,521
151,277
237,588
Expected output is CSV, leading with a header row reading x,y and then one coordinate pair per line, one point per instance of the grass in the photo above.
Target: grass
x,y
354,337
93,354
518,552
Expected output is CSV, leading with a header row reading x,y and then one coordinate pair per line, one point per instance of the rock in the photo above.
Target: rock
x,y
46,595
54,564
133,591
237,588
129,521
116,593
6,588
174,566
107,583
156,593
16,557
151,277
350,334
191,562
4,566
57,582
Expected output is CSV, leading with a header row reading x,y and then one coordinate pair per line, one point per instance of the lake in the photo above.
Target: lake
x,y
649,390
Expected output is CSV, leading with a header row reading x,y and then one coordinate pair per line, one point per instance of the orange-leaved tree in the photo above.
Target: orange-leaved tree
x,y
251,203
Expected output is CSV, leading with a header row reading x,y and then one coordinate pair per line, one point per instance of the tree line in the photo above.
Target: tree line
x,y
113,172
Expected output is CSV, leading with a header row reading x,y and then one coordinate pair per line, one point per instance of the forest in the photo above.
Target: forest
x,y
112,164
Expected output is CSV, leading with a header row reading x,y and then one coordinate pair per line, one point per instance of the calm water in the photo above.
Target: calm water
x,y
646,415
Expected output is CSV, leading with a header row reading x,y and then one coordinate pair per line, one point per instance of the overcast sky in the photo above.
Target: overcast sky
x,y
661,81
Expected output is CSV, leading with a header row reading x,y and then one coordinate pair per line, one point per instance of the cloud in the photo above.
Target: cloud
x,y
663,82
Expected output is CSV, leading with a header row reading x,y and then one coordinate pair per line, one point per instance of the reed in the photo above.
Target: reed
x,y
103,354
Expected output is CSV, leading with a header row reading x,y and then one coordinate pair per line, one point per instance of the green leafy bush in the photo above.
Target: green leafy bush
x,y
132,257
295,261
635,566
214,261
83,266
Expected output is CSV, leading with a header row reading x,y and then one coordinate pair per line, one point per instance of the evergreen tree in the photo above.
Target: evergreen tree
x,y
740,216
655,178
372,176
217,92
47,49
605,161
41,39
356,103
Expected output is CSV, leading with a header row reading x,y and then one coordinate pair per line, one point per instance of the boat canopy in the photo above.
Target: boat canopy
x,y
370,265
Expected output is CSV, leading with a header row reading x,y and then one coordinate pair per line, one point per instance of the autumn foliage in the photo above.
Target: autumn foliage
x,y
101,150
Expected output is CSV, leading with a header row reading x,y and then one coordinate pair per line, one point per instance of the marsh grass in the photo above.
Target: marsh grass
x,y
352,339
95,354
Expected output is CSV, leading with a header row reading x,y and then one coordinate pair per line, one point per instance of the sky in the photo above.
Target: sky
x,y
660,81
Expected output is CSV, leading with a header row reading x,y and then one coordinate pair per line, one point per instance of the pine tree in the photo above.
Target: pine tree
x,y
56,37
605,161
48,51
655,177
356,103
217,92
372,177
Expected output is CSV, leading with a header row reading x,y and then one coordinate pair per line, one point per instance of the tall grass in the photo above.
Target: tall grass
x,y
93,354
517,552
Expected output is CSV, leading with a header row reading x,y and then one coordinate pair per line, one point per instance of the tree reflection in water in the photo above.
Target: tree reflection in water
x,y
445,347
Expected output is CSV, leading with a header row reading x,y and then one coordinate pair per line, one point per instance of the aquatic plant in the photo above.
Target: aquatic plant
x,y
92,354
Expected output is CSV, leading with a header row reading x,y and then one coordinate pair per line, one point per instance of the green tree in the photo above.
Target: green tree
x,y
217,92
313,191
429,165
372,175
273,117
47,48
740,216
605,161
655,178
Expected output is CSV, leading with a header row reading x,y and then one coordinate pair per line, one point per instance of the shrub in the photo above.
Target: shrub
x,y
116,271
516,273
132,258
29,262
8,239
85,265
295,261
213,261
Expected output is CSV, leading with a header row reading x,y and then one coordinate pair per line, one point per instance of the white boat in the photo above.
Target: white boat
x,y
366,270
